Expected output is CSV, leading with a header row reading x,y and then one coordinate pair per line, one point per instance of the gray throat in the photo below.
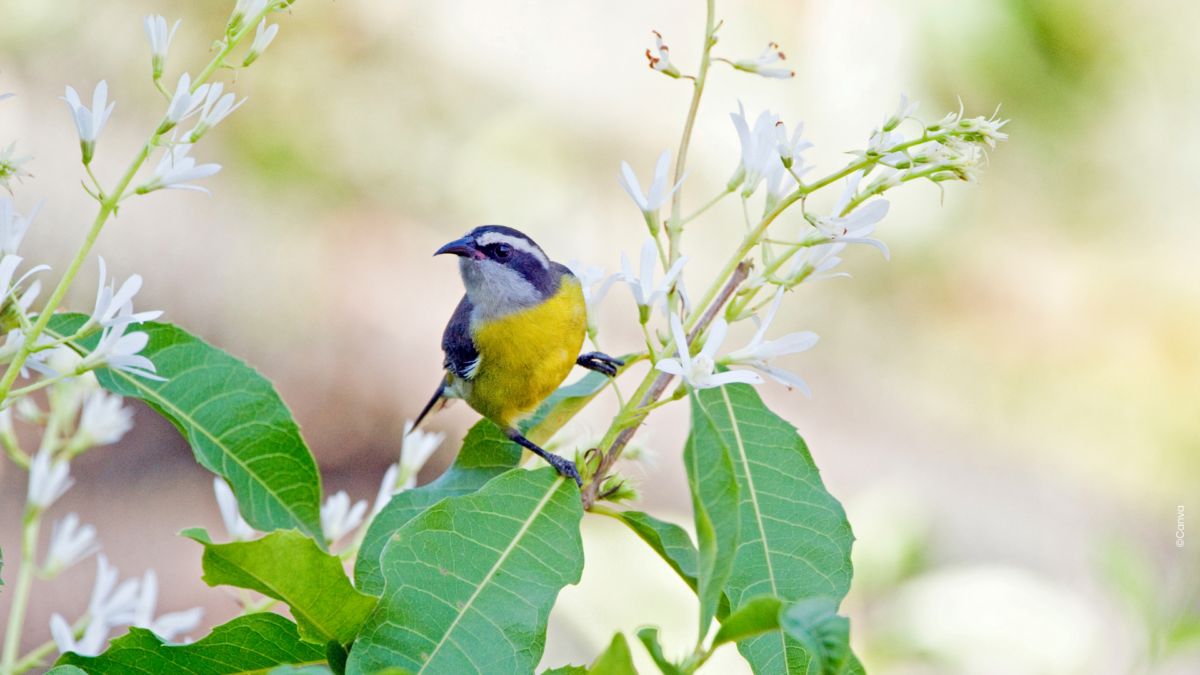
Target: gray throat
x,y
496,290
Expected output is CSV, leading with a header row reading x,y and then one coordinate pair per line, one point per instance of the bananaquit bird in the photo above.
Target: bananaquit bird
x,y
516,333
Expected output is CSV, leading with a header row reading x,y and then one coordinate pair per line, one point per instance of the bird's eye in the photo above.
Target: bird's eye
x,y
503,251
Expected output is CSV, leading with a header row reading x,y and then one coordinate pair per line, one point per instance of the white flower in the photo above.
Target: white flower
x,y
759,147
8,266
854,228
645,292
112,604
10,167
816,260
110,302
69,544
91,644
758,353
89,123
12,344
415,450
183,104
103,420
903,112
216,108
662,63
160,41
166,626
588,278
768,56
235,525
48,482
658,193
697,370
338,518
175,168
882,142
12,226
119,351
789,150
387,488
243,10
261,40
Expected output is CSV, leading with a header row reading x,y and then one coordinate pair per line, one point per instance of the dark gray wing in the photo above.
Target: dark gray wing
x,y
461,356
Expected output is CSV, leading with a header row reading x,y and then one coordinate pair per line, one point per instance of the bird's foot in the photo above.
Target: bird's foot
x,y
564,467
600,362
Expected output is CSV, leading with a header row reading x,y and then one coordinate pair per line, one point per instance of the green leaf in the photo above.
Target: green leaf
x,y
335,656
616,660
795,540
567,670
824,636
715,503
755,617
248,644
470,582
65,670
672,543
486,453
667,539
852,666
288,566
561,406
300,670
232,417
649,638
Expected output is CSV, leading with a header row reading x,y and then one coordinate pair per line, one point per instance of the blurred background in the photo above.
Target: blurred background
x,y
1009,408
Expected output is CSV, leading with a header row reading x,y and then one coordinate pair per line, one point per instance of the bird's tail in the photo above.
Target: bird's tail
x,y
438,402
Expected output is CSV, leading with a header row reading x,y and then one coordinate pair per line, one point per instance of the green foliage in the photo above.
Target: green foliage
x,y
756,616
248,644
714,490
561,406
649,638
486,453
567,670
825,636
469,583
232,417
794,537
616,660
300,670
65,670
288,566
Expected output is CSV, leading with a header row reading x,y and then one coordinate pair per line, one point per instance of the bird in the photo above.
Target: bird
x,y
515,335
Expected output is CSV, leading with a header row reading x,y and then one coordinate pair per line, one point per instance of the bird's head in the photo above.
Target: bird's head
x,y
503,270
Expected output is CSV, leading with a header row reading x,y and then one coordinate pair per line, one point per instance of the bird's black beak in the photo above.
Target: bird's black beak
x,y
464,247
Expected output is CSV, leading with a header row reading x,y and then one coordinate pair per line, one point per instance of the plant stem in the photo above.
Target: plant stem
x,y
674,225
627,420
20,601
108,206
726,192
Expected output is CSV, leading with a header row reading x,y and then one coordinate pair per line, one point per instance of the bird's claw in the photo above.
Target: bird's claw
x,y
565,467
600,362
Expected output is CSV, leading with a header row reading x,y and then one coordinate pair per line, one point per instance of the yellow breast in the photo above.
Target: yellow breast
x,y
525,356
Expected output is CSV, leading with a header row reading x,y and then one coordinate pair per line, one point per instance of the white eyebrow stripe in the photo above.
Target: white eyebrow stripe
x,y
523,244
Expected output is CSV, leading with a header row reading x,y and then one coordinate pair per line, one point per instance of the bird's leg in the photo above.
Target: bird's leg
x,y
599,362
563,466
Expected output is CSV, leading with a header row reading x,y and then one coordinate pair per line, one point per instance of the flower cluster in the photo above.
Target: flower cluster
x,y
131,603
